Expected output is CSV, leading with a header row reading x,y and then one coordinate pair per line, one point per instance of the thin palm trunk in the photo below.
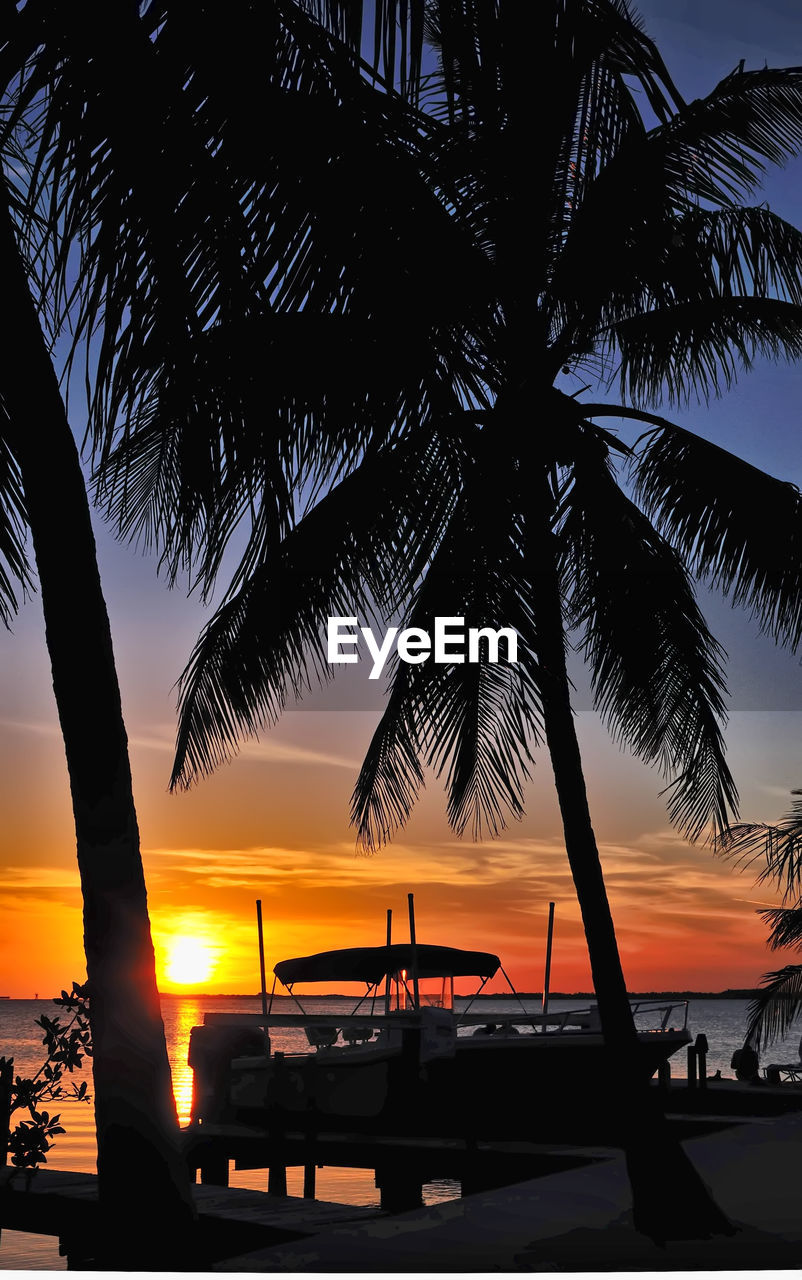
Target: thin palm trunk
x,y
142,1176
669,1198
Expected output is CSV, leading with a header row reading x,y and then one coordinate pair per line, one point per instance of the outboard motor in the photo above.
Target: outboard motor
x,y
211,1049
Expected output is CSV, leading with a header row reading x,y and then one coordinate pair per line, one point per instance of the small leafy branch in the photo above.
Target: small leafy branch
x,y
67,1045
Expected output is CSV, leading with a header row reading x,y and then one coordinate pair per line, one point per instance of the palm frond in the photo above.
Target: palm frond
x,y
716,149
786,926
776,1006
661,248
697,347
656,669
15,574
712,151
472,723
482,747
397,27
777,846
683,302
391,775
190,244
711,506
359,551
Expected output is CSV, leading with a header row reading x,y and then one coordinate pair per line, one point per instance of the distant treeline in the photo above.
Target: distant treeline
x,y
732,993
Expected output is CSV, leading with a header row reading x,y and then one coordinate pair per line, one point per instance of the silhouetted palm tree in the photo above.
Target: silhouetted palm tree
x,y
140,1166
126,226
381,322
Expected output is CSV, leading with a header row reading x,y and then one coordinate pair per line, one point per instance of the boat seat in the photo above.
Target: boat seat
x,y
791,1072
321,1037
357,1034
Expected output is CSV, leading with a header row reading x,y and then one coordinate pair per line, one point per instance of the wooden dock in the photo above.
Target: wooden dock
x,y
234,1222
580,1221
401,1165
230,1219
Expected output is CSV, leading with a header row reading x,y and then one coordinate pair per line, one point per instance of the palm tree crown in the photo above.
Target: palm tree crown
x,y
401,366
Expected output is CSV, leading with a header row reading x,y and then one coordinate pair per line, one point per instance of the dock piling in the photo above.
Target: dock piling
x,y
260,931
6,1081
214,1170
700,1049
691,1066
277,1178
400,1189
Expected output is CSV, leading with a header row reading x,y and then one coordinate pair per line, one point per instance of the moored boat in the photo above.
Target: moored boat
x,y
404,1061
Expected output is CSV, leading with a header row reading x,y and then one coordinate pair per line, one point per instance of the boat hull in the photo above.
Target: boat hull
x,y
526,1086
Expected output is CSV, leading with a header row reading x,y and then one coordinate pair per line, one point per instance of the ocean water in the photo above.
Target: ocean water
x,y
722,1022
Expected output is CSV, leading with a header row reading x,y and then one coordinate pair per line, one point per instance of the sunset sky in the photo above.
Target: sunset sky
x,y
274,824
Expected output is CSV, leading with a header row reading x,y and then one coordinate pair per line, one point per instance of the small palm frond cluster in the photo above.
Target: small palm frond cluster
x,y
777,849
337,353
776,1007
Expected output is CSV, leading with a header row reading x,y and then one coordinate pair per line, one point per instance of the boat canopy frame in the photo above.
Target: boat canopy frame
x,y
372,965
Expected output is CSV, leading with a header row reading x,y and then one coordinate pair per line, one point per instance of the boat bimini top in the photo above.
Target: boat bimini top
x,y
371,964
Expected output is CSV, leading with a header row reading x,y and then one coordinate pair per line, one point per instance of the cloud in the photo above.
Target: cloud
x,y
276,752
14,879
770,789
40,728
270,750
162,739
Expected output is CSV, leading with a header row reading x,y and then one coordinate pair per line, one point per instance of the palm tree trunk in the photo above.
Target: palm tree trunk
x,y
143,1180
670,1200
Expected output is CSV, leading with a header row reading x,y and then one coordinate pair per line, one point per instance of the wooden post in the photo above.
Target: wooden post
x,y
261,954
664,1075
277,1168
6,1080
309,1181
547,975
277,1177
399,1188
414,949
691,1066
388,976
214,1169
700,1048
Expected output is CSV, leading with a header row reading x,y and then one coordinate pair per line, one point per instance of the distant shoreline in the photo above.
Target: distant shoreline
x,y
732,993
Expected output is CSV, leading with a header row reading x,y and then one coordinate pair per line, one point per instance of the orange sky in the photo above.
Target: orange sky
x,y
273,825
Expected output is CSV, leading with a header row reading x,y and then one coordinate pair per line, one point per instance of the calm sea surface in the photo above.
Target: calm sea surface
x,y
722,1021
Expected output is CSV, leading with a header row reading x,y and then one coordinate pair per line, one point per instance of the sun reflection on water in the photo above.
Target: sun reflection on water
x,y
187,1013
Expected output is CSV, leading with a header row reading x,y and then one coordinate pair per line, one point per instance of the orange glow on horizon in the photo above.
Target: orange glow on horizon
x,y
684,919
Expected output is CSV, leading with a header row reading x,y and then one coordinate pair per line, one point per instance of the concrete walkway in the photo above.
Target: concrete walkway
x,y
580,1220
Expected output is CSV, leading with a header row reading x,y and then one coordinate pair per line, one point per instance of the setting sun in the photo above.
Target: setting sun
x,y
189,961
